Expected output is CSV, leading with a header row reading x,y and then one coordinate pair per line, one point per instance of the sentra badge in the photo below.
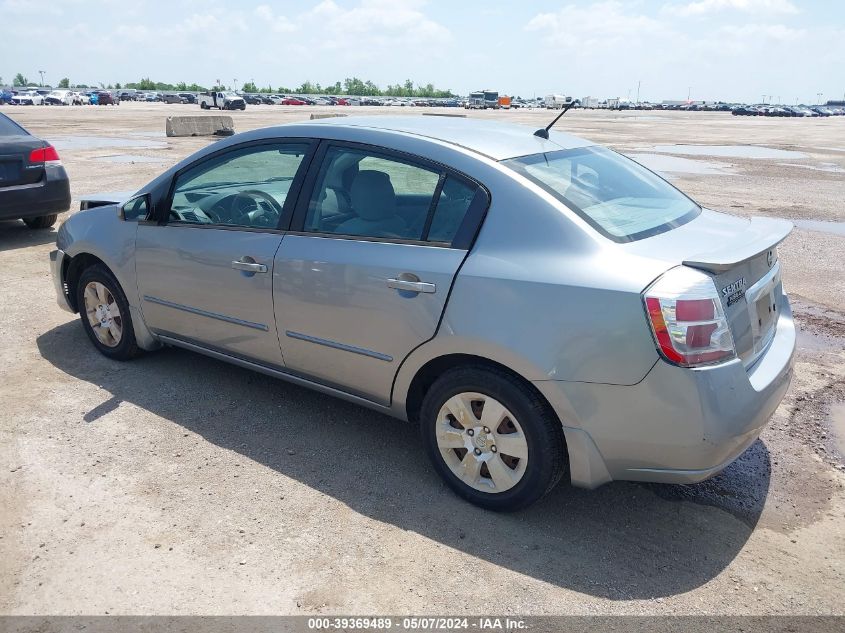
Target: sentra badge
x,y
735,291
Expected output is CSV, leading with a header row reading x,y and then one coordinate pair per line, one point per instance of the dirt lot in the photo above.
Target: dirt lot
x,y
177,484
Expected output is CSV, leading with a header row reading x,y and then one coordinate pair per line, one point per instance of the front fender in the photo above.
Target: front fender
x,y
102,233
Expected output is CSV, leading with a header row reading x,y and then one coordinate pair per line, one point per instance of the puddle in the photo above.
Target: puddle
x,y
837,425
96,142
833,228
676,165
826,167
150,134
129,158
728,151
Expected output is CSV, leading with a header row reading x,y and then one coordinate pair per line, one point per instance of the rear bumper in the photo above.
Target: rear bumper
x,y
57,265
677,425
49,195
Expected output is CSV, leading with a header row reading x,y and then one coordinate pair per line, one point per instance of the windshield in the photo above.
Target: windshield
x,y
621,199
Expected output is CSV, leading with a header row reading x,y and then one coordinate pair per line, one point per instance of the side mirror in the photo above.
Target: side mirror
x,y
137,208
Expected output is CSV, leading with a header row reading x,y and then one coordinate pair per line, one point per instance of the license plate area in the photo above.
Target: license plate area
x,y
765,315
763,300
10,170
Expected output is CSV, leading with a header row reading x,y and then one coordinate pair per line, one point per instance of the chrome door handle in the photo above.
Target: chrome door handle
x,y
411,286
250,267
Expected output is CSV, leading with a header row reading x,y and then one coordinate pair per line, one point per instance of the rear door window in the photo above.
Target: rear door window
x,y
378,194
361,193
452,206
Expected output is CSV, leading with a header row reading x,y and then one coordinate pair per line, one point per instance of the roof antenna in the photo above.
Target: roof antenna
x,y
543,132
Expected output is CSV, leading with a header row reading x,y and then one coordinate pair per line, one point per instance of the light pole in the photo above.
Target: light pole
x,y
819,95
689,94
41,72
235,81
639,83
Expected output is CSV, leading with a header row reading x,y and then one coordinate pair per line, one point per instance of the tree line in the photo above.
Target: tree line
x,y
349,86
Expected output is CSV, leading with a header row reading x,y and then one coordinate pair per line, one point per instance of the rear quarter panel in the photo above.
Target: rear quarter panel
x,y
542,293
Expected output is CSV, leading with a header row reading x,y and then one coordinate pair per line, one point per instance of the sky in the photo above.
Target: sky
x,y
732,50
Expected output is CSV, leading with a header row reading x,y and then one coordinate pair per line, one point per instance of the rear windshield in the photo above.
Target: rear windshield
x,y
10,128
621,199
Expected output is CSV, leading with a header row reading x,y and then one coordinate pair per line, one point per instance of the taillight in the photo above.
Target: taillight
x,y
47,155
687,319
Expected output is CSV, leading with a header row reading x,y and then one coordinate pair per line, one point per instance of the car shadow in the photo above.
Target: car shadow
x,y
16,234
621,541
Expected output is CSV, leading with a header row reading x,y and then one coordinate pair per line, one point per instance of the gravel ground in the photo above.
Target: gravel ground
x,y
177,484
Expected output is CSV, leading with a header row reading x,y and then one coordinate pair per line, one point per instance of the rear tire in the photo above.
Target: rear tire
x,y
102,304
42,221
506,451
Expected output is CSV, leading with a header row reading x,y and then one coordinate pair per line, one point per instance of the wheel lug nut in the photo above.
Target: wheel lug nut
x,y
470,432
478,451
493,448
486,430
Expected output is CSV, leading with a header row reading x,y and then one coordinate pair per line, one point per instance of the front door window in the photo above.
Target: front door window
x,y
247,187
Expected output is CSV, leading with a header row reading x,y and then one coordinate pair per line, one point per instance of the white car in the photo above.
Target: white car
x,y
59,97
79,98
28,97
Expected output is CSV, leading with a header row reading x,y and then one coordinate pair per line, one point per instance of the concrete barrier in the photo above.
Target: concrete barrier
x,y
325,116
205,125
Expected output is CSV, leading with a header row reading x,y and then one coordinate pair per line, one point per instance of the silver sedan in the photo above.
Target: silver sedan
x,y
544,308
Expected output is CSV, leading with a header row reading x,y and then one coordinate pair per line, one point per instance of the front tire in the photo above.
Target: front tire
x,y
42,221
492,438
105,314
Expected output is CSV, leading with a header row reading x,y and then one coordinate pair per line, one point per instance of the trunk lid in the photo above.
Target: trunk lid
x,y
15,168
741,256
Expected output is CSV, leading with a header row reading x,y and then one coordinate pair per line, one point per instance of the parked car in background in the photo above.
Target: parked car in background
x,y
80,98
402,262
745,111
223,100
59,97
34,186
173,98
104,97
28,97
151,97
291,101
252,99
5,96
189,97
